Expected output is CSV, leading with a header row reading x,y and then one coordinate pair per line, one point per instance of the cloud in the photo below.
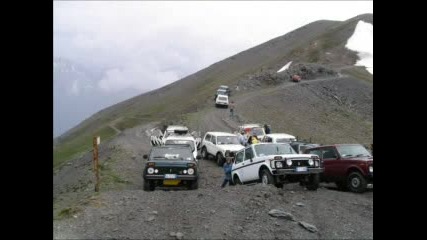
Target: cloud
x,y
134,77
75,88
146,44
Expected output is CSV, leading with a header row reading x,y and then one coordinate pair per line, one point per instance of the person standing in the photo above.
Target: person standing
x,y
243,138
267,129
255,139
231,109
227,170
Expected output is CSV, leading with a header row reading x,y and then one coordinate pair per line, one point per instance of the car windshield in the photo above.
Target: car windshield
x,y
221,91
273,149
228,140
257,131
353,151
181,142
171,154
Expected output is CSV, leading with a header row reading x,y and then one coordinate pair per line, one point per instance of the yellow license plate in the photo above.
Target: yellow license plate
x,y
171,182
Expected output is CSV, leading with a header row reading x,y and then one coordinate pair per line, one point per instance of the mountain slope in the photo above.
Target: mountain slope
x,y
318,42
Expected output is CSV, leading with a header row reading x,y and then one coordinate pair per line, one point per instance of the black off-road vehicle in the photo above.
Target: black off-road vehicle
x,y
171,166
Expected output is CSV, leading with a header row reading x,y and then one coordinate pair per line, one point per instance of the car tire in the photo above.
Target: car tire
x,y
313,182
236,180
219,159
266,177
204,153
148,185
193,185
356,182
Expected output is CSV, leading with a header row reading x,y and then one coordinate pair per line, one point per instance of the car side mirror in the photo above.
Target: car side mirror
x,y
198,157
145,156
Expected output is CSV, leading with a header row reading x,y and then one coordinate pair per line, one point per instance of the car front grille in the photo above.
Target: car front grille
x,y
171,170
300,163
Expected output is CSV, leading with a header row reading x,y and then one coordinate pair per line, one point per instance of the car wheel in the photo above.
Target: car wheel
x,y
313,182
356,182
266,177
219,159
193,185
236,180
148,185
204,153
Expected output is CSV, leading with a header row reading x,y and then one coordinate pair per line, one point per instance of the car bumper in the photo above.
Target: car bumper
x,y
370,178
294,172
178,177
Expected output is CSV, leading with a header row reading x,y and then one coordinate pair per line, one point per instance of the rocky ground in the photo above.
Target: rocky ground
x,y
122,210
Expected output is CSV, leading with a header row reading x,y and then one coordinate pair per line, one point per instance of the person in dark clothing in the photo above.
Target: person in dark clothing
x,y
267,129
250,140
231,107
227,170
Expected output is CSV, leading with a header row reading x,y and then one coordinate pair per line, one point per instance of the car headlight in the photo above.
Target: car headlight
x,y
150,170
279,165
310,162
289,162
185,171
190,171
371,168
156,170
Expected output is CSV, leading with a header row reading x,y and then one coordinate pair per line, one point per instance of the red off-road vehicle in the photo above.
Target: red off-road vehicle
x,y
350,166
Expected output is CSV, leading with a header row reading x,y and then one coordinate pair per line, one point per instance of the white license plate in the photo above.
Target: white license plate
x,y
301,169
170,176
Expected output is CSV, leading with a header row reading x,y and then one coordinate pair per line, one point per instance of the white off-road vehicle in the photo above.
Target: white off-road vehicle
x,y
221,101
176,134
253,129
217,144
276,163
279,138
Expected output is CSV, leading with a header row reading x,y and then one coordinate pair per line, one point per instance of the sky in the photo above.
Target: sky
x,y
137,46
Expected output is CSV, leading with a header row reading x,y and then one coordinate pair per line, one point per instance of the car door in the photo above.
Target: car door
x,y
250,170
212,146
330,163
238,164
207,142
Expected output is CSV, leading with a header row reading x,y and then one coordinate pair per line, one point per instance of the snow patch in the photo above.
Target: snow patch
x,y
285,67
362,42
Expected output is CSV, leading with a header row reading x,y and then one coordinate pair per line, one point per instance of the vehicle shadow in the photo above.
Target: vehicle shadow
x,y
333,186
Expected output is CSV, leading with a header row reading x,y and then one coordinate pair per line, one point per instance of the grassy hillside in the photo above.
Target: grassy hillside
x,y
192,93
